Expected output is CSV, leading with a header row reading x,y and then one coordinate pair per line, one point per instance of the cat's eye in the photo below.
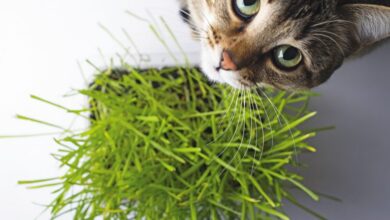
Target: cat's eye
x,y
246,8
287,57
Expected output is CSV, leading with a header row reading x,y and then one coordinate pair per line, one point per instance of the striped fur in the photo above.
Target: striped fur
x,y
326,32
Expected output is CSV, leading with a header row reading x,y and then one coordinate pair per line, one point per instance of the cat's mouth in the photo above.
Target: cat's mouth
x,y
234,79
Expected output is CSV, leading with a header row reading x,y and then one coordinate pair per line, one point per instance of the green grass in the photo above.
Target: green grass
x,y
165,144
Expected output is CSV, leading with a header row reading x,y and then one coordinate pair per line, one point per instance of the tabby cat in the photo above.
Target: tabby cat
x,y
287,44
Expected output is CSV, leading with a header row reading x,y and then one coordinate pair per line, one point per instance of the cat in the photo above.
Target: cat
x,y
286,44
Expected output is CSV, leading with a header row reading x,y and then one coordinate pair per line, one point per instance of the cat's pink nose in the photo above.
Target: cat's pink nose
x,y
227,62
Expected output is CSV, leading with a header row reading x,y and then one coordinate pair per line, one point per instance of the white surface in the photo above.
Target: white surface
x,y
41,42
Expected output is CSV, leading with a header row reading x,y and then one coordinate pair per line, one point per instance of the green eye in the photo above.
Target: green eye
x,y
246,8
287,57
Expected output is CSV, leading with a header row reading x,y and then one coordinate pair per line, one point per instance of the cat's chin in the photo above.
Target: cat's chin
x,y
233,79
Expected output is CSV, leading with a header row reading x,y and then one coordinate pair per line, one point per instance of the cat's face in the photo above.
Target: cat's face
x,y
288,44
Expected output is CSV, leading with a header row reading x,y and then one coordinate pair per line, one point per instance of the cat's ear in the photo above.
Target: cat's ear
x,y
371,22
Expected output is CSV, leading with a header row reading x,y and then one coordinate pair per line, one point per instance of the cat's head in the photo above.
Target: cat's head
x,y
288,44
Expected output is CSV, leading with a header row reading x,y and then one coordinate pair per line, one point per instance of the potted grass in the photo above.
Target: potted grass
x,y
165,144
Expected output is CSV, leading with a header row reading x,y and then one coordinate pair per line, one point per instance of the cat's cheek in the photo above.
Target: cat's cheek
x,y
208,68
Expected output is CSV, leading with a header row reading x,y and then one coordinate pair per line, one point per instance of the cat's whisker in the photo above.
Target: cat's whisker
x,y
185,12
207,20
250,102
321,41
197,35
231,120
330,33
326,34
243,131
279,116
239,122
263,134
199,39
195,28
232,90
235,131
266,114
230,123
332,21
333,40
256,137
269,124
190,21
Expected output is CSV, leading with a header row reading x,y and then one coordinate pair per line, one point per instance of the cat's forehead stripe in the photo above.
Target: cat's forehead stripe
x,y
298,9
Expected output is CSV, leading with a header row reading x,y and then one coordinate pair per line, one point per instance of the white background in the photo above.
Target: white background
x,y
42,41
41,44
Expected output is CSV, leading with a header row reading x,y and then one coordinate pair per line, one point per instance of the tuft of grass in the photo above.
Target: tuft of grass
x,y
165,144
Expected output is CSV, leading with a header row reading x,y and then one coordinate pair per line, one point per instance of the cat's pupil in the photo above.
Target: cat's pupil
x,y
290,54
249,2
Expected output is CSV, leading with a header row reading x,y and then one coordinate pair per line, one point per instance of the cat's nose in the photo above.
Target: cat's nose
x,y
227,62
